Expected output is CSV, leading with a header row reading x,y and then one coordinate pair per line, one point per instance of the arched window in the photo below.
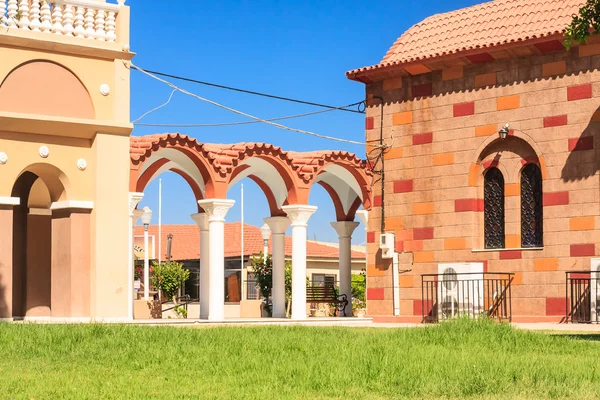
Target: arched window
x,y
532,226
493,195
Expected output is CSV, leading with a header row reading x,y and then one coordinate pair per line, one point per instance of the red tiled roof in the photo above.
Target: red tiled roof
x,y
186,242
486,25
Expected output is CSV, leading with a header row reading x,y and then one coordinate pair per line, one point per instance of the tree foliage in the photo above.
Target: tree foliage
x,y
169,276
583,24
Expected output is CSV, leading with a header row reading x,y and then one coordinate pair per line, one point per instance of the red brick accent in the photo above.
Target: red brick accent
x,y
463,109
370,237
369,123
529,160
423,90
579,92
581,276
418,307
422,138
582,143
464,205
549,47
558,120
423,233
556,306
377,201
556,199
403,186
399,246
375,294
481,58
511,255
583,250
490,164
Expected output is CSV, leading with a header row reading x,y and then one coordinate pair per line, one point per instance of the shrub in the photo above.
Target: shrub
x,y
169,276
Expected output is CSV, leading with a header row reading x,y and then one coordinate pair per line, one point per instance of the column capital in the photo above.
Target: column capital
x,y
345,229
299,214
278,225
364,216
202,220
216,209
134,199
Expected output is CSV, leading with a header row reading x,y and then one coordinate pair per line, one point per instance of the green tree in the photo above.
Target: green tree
x,y
169,276
584,23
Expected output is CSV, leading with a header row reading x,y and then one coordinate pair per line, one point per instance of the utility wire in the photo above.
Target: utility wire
x,y
310,103
238,122
243,113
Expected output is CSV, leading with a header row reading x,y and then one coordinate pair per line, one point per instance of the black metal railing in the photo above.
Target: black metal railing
x,y
252,291
470,295
182,301
582,297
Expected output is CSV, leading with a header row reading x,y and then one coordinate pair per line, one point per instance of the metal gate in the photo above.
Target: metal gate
x,y
471,295
582,297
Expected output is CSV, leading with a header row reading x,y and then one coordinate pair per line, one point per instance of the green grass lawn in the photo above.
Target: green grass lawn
x,y
449,361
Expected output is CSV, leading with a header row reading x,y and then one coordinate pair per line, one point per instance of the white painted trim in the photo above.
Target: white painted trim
x,y
91,4
10,201
81,205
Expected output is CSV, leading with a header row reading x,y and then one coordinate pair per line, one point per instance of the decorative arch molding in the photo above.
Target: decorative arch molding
x,y
56,180
490,152
47,88
284,177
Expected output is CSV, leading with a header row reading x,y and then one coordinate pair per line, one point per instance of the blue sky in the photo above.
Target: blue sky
x,y
294,49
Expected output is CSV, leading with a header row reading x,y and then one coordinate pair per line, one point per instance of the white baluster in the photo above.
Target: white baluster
x,y
90,33
3,12
12,13
35,23
57,26
100,33
24,14
46,17
68,20
111,24
79,20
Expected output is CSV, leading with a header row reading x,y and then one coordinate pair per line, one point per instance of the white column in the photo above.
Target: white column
x,y
216,209
299,216
134,199
278,226
202,221
344,230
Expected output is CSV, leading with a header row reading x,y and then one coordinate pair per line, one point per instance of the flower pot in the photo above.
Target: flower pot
x,y
359,313
137,284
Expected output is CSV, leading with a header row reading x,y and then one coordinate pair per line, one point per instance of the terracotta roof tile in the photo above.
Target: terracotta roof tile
x,y
186,242
485,25
224,157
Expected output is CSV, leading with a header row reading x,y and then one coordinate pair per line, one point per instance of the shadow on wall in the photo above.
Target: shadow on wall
x,y
4,311
583,161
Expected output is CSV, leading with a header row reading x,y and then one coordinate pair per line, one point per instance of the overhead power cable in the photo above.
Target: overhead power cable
x,y
243,113
232,123
270,96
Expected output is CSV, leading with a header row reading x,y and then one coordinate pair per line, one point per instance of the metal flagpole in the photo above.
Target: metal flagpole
x,y
159,220
242,249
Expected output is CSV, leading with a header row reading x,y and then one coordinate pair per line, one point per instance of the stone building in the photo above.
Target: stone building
x,y
463,187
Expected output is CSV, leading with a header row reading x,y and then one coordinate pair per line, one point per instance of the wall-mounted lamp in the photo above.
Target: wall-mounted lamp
x,y
503,132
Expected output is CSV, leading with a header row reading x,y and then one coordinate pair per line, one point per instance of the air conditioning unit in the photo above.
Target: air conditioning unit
x,y
460,290
595,290
386,244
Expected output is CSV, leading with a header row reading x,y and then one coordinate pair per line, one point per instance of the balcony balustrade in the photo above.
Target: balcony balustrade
x,y
85,19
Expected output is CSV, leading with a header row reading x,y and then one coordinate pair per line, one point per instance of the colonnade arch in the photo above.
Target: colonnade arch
x,y
285,178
